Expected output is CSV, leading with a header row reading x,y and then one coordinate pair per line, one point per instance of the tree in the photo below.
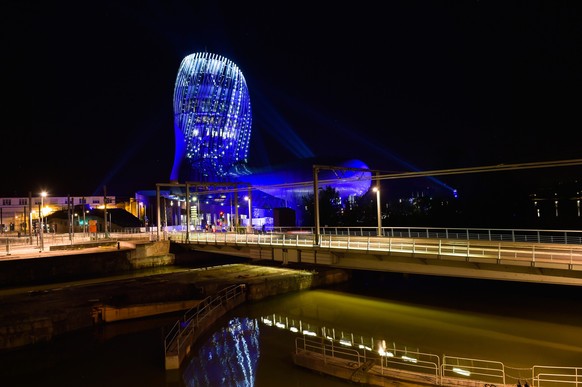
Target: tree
x,y
330,207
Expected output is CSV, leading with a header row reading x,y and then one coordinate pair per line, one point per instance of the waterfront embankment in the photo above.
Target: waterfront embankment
x,y
50,294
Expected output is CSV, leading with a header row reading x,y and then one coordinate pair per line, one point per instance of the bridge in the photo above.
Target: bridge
x,y
523,255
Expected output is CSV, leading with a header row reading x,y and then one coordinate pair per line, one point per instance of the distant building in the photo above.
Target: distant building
x,y
19,214
212,130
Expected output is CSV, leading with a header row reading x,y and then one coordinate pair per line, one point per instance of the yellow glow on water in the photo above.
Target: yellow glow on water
x,y
517,342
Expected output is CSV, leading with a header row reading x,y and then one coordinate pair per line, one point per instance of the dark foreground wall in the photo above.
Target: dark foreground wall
x,y
66,263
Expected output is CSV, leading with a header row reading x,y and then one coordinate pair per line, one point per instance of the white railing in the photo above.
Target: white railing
x,y
427,368
573,237
567,256
502,235
556,376
13,245
183,331
303,236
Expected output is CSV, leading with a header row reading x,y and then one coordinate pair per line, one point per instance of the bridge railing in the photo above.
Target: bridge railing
x,y
568,237
563,256
559,256
487,234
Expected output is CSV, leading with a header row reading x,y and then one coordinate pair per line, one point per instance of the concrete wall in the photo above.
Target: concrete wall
x,y
259,289
35,326
75,264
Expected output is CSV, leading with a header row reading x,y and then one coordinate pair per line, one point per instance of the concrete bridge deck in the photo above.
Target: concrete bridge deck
x,y
485,259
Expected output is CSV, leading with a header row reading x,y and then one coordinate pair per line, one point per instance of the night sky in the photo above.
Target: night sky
x,y
400,85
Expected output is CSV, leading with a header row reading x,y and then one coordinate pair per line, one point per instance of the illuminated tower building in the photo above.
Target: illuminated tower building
x,y
212,118
212,126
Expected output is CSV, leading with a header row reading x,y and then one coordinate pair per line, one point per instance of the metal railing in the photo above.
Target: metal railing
x,y
483,234
556,376
511,251
567,237
183,332
13,244
427,368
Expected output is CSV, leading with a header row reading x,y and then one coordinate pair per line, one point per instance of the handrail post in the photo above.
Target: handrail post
x,y
533,255
316,204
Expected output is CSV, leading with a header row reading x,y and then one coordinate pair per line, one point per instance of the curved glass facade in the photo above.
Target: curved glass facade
x,y
212,118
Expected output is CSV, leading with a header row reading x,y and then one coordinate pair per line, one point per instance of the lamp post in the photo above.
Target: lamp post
x,y
250,226
84,222
75,215
195,212
379,215
42,196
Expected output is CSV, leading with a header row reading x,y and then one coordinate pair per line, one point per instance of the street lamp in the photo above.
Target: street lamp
x,y
40,215
195,210
250,226
75,215
379,215
84,221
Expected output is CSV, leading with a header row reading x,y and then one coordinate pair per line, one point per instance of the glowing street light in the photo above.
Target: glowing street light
x,y
85,221
194,211
377,190
40,215
75,221
250,226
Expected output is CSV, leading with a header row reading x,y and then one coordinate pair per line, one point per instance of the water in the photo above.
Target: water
x,y
517,323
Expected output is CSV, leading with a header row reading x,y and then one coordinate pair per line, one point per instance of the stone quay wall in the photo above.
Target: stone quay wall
x,y
32,314
80,261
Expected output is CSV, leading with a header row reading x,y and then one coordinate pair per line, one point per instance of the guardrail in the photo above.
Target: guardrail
x,y
564,256
13,244
556,376
482,234
425,368
184,332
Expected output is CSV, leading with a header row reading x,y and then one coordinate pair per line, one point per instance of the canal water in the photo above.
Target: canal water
x,y
518,324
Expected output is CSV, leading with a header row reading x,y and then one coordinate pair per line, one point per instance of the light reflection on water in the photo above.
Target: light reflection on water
x,y
487,331
230,355
515,341
520,325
